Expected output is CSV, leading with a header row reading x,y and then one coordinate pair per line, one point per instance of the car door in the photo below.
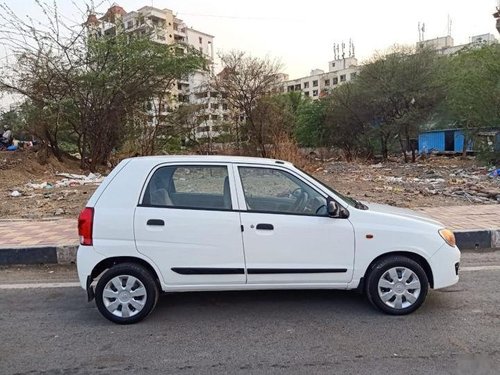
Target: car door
x,y
288,236
185,223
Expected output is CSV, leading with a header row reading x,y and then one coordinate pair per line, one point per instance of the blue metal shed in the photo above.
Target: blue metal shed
x,y
446,140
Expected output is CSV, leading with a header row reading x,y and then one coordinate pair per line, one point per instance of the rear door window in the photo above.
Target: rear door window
x,y
189,186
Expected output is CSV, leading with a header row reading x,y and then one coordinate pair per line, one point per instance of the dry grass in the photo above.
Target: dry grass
x,y
284,147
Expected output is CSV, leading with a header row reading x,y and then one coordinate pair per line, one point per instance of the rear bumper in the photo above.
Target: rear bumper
x,y
86,259
444,264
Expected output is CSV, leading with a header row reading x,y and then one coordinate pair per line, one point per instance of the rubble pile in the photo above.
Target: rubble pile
x,y
57,198
70,180
34,192
455,181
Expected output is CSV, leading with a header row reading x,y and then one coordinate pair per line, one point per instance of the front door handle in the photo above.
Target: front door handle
x,y
158,222
265,226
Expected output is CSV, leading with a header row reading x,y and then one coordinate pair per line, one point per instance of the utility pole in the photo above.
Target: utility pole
x,y
497,16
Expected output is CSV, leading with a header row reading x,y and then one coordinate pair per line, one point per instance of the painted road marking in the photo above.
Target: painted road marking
x,y
40,285
480,268
76,284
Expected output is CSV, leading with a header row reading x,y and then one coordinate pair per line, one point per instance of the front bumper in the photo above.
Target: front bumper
x,y
444,264
86,260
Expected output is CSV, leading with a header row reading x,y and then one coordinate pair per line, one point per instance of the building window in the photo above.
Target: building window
x,y
297,87
335,81
224,106
327,82
342,78
214,117
315,92
202,129
290,88
333,65
306,93
200,39
353,75
306,85
315,83
225,117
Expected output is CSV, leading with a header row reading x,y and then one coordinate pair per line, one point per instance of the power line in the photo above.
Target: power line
x,y
237,17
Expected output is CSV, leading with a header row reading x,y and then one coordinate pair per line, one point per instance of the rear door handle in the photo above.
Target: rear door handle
x,y
158,222
265,226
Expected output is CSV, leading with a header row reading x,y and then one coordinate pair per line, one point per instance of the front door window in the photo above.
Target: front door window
x,y
276,191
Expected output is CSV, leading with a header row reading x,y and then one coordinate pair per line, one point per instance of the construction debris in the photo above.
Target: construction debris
x,y
70,180
448,181
34,191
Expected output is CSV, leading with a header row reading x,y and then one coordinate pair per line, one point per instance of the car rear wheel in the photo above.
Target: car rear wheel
x,y
397,285
126,293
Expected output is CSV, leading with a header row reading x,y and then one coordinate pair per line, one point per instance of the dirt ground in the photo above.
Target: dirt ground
x,y
439,181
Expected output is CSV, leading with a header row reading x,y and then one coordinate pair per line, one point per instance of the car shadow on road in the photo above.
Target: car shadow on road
x,y
268,301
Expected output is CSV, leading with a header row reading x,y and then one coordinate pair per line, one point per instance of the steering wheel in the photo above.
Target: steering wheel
x,y
301,201
296,193
322,207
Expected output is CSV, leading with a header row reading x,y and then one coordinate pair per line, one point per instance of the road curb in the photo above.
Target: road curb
x,y
478,239
483,239
45,254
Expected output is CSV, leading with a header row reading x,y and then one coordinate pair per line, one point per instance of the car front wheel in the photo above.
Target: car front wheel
x,y
126,293
397,285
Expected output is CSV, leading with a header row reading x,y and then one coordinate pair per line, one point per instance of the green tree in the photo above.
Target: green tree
x,y
402,90
91,83
472,81
310,130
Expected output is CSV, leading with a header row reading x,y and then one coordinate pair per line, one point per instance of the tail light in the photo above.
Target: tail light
x,y
85,224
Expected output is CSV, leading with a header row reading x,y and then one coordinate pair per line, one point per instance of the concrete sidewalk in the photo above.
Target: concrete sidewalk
x,y
56,240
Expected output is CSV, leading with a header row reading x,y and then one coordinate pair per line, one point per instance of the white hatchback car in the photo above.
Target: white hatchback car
x,y
196,223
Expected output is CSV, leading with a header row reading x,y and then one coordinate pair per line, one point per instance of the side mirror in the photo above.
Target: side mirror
x,y
333,208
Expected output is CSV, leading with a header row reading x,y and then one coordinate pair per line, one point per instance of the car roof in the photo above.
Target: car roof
x,y
210,158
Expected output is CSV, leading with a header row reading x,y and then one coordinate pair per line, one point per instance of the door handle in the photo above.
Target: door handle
x,y
158,222
265,226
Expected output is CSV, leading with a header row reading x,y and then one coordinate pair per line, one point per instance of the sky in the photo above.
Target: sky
x,y
302,33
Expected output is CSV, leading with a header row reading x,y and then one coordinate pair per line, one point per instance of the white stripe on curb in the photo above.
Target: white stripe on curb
x,y
39,285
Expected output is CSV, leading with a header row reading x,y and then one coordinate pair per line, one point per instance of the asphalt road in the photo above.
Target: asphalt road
x,y
55,331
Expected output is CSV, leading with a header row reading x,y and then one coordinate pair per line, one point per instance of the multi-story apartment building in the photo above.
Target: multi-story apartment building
x,y
164,27
343,70
446,46
319,82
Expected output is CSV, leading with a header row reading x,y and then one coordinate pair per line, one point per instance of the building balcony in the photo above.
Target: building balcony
x,y
180,32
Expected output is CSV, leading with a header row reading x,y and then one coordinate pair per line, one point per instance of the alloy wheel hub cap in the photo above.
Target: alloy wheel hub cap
x,y
399,287
124,296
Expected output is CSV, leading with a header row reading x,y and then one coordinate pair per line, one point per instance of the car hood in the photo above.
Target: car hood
x,y
391,210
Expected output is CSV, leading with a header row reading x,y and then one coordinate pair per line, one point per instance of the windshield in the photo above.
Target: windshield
x,y
349,200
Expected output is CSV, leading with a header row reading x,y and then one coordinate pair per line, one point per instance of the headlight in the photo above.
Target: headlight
x,y
448,236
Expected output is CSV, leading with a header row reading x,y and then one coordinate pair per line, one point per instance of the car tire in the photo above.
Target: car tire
x,y
126,293
397,285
